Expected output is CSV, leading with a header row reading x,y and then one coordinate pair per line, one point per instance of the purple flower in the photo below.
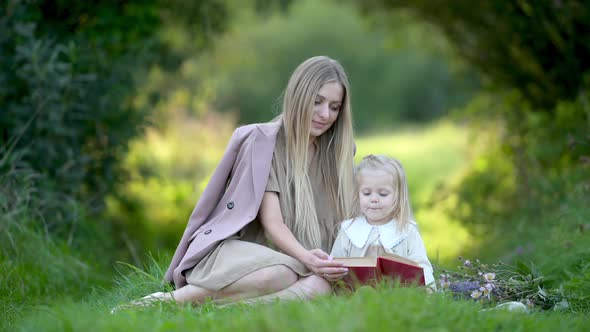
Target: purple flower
x,y
467,263
464,286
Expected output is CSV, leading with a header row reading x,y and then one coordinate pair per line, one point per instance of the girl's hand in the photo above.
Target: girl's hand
x,y
321,264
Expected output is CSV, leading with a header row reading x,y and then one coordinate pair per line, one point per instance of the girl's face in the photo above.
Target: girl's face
x,y
326,108
377,195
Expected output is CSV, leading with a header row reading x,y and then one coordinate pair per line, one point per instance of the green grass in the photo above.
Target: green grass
x,y
384,309
556,242
35,270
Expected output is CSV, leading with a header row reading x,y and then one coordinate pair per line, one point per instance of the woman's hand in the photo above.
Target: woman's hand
x,y
321,264
315,260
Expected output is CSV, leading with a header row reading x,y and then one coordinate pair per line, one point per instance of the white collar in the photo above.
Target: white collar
x,y
358,230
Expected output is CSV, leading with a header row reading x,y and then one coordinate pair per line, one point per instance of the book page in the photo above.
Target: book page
x,y
357,261
397,258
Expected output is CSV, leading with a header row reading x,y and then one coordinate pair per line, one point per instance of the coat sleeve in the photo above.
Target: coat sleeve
x,y
208,200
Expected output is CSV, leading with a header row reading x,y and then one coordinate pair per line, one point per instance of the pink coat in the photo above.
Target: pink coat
x,y
231,199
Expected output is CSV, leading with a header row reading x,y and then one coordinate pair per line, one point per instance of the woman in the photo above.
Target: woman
x,y
263,225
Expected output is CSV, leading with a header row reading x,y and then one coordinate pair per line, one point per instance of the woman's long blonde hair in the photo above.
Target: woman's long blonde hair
x,y
402,212
335,150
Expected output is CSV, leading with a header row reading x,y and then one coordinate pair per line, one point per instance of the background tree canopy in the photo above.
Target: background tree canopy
x,y
535,60
68,73
390,82
540,49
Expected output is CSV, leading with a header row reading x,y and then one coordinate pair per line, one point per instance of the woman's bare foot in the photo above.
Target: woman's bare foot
x,y
145,301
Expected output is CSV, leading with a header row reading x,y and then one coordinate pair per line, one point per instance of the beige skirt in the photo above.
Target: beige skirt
x,y
234,259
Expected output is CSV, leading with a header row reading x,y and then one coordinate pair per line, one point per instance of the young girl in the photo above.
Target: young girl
x,y
384,223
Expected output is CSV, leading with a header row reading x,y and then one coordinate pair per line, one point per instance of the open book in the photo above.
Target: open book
x,y
369,270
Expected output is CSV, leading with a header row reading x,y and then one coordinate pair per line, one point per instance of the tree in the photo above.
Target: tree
x,y
68,74
540,48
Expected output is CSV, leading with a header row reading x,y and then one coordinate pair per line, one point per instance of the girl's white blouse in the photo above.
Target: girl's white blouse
x,y
358,238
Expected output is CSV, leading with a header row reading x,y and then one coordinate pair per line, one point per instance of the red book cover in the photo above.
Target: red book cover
x,y
369,270
361,270
407,271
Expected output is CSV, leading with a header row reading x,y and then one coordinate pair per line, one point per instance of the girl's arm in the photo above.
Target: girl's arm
x,y
271,219
341,246
417,253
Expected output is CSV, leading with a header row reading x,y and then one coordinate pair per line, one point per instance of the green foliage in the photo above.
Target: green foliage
x,y
553,241
250,66
530,140
525,194
65,106
564,255
538,48
534,206
523,161
69,72
168,169
577,287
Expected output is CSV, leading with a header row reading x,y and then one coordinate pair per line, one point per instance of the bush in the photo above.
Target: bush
x,y
36,268
65,98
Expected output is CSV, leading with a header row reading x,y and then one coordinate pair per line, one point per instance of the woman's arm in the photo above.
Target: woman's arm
x,y
315,260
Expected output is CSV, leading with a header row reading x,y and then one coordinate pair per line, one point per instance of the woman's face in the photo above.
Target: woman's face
x,y
326,108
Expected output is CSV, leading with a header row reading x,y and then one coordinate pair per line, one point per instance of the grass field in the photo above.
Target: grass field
x,y
43,290
383,309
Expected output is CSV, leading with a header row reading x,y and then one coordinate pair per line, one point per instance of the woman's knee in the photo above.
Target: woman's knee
x,y
276,278
317,285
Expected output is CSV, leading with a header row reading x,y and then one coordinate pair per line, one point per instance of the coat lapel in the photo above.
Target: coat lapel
x,y
261,157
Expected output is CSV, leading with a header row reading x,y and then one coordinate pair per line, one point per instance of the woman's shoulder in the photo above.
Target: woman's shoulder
x,y
268,129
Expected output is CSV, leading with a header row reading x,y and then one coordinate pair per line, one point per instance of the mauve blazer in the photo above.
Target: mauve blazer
x,y
231,199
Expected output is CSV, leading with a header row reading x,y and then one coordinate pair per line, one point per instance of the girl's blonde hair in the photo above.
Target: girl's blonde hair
x,y
402,212
335,149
